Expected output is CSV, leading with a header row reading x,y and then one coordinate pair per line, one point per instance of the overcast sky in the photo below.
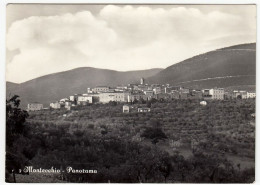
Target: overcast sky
x,y
44,39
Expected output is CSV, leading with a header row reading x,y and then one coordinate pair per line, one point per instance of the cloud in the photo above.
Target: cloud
x,y
120,38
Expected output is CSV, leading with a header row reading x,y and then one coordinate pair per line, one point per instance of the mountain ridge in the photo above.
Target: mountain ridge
x,y
225,67
238,60
53,87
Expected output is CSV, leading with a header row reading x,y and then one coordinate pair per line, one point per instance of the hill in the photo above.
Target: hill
x,y
230,66
55,86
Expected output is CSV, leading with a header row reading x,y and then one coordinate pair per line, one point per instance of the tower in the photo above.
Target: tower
x,y
142,81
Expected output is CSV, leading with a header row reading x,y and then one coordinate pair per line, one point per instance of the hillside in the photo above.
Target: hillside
x,y
231,66
55,86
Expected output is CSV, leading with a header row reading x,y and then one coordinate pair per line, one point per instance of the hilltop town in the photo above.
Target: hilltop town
x,y
132,93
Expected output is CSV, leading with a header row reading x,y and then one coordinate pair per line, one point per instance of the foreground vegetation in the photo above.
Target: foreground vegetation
x,y
178,141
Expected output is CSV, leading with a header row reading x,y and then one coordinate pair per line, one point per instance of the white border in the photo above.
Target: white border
x,y
3,4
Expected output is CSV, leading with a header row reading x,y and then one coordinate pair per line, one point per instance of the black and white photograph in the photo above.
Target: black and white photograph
x,y
130,93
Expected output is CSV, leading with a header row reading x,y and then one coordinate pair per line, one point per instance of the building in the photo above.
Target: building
x,y
89,90
239,95
157,90
148,93
55,105
162,96
68,105
63,100
74,97
142,81
117,96
203,103
126,109
227,95
175,94
215,94
218,93
34,106
172,88
235,94
135,96
100,89
251,94
243,94
144,109
184,90
195,94
84,99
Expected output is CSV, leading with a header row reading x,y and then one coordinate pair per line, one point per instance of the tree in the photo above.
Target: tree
x,y
15,119
15,129
155,134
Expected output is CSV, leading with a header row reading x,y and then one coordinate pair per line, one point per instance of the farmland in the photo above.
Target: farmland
x,y
178,141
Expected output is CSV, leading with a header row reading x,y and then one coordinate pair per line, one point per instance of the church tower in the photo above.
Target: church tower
x,y
142,81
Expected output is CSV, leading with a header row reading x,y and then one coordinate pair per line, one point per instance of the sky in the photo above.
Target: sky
x,y
43,38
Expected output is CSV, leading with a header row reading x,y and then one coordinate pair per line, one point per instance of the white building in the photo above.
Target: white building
x,y
215,94
63,100
55,105
126,109
84,99
203,103
144,109
157,90
218,93
34,106
117,96
148,93
100,89
142,81
72,98
251,94
67,104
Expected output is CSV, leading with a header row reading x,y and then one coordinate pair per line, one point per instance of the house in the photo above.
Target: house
x,y
74,97
169,89
228,95
195,94
55,105
214,94
157,90
184,90
175,94
68,104
243,94
89,90
126,109
138,95
148,93
218,93
239,94
144,109
34,106
62,101
251,94
85,99
203,103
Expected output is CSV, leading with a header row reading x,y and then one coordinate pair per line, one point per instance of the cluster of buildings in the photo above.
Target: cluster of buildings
x,y
141,92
